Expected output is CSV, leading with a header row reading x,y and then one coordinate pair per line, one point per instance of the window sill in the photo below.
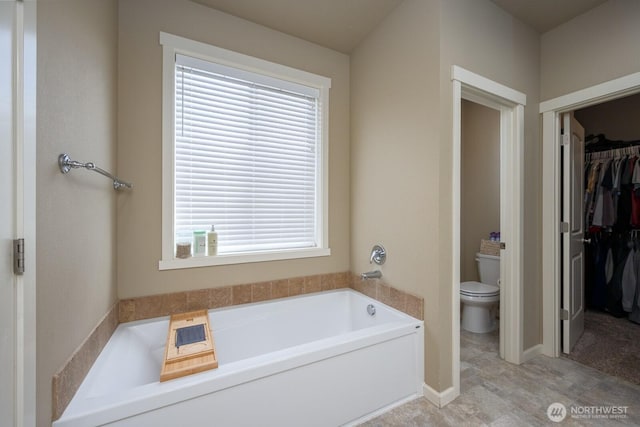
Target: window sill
x,y
208,261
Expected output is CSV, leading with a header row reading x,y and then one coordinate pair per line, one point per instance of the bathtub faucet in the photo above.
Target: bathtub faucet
x,y
371,275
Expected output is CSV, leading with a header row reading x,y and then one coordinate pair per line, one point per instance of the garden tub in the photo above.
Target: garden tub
x,y
315,360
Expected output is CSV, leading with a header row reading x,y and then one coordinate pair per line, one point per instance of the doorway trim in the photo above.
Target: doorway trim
x,y
551,111
24,111
510,103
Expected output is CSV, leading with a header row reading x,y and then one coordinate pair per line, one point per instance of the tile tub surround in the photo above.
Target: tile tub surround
x,y
151,306
65,383
393,297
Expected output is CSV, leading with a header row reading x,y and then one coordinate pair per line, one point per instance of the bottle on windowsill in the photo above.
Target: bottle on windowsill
x,y
212,242
199,243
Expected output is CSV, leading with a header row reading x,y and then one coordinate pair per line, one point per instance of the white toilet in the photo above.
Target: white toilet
x,y
478,299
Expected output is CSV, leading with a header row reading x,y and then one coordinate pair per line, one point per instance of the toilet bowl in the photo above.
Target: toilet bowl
x,y
479,298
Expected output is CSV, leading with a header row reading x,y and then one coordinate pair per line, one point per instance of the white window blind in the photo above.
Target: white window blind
x,y
246,157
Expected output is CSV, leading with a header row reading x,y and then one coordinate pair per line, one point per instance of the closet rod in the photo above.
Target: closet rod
x,y
612,153
596,143
66,164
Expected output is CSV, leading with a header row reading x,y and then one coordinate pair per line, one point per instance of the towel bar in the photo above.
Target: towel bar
x,y
66,164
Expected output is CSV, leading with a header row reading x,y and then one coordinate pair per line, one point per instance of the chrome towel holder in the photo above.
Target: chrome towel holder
x,y
66,164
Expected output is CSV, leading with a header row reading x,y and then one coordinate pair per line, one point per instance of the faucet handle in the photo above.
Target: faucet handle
x,y
378,255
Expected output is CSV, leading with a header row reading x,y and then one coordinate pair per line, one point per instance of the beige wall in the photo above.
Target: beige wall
x,y
480,182
482,38
595,47
479,36
616,119
401,120
75,213
394,157
140,141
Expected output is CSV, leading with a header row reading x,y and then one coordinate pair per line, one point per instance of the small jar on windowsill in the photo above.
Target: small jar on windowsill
x,y
183,245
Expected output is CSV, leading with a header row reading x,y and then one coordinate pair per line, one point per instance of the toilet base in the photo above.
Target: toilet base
x,y
478,318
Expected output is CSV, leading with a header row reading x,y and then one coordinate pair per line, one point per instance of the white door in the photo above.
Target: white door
x,y
17,210
573,233
7,221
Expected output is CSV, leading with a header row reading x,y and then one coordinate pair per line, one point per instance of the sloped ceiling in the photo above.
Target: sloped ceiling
x,y
337,24
544,15
341,24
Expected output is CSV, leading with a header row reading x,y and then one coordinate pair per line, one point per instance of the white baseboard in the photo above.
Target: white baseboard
x,y
381,411
448,396
431,395
440,399
532,352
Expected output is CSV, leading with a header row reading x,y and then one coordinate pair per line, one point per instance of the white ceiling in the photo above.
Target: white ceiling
x,y
342,24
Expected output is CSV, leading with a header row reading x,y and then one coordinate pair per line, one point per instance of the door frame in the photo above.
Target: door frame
x,y
24,109
551,111
510,103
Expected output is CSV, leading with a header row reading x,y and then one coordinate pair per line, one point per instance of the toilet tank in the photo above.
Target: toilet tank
x,y
489,268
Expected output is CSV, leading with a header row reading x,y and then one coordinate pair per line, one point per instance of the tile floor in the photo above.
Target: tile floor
x,y
497,393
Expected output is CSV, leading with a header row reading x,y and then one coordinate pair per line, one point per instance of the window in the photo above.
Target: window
x,y
244,149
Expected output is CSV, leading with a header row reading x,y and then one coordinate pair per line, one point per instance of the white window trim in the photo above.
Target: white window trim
x,y
172,45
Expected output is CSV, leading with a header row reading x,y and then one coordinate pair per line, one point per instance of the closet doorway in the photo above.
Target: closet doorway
x,y
609,338
562,304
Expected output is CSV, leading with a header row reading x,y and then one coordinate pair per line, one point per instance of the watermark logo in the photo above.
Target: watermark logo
x,y
556,412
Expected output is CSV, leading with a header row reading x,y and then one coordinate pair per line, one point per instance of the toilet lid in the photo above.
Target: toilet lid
x,y
477,288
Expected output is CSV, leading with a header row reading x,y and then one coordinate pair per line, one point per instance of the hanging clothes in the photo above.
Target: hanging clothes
x,y
630,280
623,217
598,292
635,196
634,310
619,251
618,168
599,195
612,218
612,193
590,193
635,314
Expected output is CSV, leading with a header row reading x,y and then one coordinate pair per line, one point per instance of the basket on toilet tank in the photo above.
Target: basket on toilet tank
x,y
490,247
488,268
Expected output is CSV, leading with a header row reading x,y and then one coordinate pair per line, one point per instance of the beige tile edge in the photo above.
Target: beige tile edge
x,y
151,306
387,294
66,381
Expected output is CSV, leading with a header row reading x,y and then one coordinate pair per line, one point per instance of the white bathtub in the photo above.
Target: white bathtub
x,y
312,360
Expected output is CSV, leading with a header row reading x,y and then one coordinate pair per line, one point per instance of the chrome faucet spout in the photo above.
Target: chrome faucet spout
x,y
371,275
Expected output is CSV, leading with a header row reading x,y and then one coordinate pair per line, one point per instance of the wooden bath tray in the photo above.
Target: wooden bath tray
x,y
189,347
